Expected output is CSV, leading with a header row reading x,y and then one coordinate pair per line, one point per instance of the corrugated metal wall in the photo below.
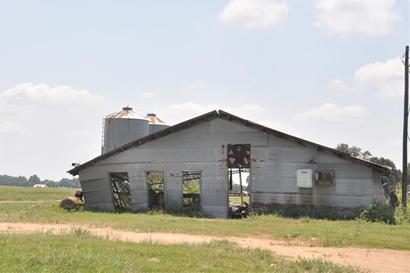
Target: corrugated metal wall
x,y
203,148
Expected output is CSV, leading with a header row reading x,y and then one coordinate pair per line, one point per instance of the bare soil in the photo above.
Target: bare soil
x,y
373,260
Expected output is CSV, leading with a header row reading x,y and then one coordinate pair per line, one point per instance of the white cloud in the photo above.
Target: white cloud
x,y
384,78
42,94
52,126
330,112
345,17
254,13
339,85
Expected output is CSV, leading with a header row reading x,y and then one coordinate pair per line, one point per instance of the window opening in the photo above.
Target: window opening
x,y
325,177
191,190
156,182
121,191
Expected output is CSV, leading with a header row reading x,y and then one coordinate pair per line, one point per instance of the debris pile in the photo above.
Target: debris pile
x,y
76,202
238,211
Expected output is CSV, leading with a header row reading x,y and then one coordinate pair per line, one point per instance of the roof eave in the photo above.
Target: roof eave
x,y
230,117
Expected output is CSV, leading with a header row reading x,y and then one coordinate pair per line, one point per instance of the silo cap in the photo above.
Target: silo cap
x,y
153,119
125,113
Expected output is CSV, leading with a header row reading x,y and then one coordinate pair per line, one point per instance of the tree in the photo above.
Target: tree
x,y
34,179
68,183
354,151
50,183
395,174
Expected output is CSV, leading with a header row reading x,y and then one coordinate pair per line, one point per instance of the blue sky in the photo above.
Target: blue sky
x,y
324,70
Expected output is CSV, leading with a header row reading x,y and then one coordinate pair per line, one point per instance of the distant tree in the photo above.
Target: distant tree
x,y
34,179
50,183
22,181
354,151
13,181
69,183
395,174
366,155
236,188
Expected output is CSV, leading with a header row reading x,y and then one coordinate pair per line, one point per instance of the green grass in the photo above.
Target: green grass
x,y
82,253
316,232
10,193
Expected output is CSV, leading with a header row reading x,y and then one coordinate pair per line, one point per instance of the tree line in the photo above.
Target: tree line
x,y
395,174
23,181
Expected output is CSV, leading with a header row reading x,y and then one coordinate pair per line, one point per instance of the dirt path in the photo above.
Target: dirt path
x,y
375,260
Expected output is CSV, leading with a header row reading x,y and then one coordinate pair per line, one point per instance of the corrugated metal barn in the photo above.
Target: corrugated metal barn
x,y
154,171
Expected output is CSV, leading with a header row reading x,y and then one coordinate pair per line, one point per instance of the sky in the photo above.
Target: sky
x,y
328,71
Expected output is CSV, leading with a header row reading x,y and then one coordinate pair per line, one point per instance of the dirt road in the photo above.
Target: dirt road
x,y
374,260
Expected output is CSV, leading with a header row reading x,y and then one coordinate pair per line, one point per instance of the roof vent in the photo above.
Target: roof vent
x,y
127,108
151,115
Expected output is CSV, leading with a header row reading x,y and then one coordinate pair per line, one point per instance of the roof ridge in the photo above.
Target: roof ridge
x,y
230,117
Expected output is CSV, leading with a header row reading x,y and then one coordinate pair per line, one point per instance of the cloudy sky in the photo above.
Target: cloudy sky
x,y
325,70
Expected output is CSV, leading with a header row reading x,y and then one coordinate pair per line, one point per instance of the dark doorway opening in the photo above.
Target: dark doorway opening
x,y
121,192
239,188
239,164
156,183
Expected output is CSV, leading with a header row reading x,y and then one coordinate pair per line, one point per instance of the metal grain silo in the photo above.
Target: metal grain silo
x,y
155,123
123,127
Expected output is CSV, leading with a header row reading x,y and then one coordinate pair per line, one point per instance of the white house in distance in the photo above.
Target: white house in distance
x,y
191,163
42,186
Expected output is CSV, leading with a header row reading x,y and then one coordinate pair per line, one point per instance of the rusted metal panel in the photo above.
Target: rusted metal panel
x,y
239,156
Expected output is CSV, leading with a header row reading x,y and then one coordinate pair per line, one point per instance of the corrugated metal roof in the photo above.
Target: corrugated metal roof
x,y
232,118
126,113
154,119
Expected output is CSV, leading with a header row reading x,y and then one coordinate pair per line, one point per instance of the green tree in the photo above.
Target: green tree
x,y
50,183
34,179
395,174
354,151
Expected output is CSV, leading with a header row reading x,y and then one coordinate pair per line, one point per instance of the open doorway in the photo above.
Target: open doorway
x,y
156,183
239,163
239,185
121,191
191,191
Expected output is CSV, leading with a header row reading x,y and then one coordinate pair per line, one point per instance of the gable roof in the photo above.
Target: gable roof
x,y
232,118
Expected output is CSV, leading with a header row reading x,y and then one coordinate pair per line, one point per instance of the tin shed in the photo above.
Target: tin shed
x,y
284,170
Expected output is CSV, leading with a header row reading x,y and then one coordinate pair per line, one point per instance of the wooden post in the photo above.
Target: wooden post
x,y
240,184
405,128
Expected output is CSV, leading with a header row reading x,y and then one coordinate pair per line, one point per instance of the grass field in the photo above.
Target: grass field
x,y
316,232
9,193
83,253
237,199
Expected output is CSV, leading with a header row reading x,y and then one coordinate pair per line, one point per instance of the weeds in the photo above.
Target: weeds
x,y
377,212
